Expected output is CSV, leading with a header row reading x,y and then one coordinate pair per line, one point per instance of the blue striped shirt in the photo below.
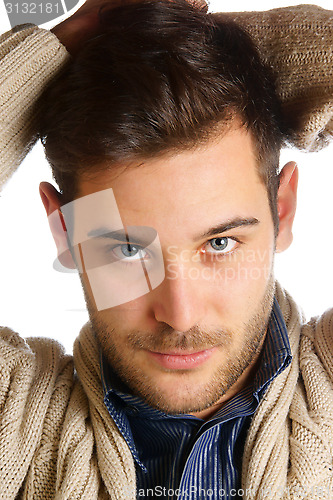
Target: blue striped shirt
x,y
184,457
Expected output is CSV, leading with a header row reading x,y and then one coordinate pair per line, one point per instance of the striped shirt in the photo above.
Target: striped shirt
x,y
184,457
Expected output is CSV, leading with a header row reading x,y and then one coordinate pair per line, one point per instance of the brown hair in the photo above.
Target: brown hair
x,y
161,78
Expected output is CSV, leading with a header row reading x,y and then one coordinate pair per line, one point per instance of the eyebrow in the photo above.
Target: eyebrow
x,y
120,235
123,236
227,226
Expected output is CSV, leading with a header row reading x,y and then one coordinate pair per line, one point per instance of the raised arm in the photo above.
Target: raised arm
x,y
29,59
298,43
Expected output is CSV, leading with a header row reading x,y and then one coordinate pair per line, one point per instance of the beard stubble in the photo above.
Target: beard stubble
x,y
191,399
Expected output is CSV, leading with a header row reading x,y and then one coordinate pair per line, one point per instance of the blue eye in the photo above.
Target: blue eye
x,y
129,252
220,245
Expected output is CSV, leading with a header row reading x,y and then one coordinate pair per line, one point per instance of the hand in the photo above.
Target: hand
x,y
84,23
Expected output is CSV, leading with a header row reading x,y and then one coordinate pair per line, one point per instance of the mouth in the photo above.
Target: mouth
x,y
177,360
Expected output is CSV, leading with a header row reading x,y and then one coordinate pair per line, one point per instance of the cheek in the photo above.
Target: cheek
x,y
241,282
126,317
121,318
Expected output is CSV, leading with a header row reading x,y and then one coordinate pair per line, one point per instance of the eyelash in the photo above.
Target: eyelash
x,y
208,255
220,255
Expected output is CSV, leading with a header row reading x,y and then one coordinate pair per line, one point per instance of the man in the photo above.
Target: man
x,y
164,135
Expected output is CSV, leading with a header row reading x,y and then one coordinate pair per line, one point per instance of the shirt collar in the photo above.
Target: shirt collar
x,y
276,354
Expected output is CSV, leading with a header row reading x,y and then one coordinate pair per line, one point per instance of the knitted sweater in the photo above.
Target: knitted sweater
x,y
57,439
297,42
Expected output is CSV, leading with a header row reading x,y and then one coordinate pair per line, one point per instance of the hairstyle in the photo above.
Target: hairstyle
x,y
164,76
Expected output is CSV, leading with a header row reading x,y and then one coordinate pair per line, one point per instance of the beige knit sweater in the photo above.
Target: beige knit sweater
x,y
298,43
57,439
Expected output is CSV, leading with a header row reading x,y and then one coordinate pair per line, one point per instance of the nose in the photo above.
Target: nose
x,y
177,301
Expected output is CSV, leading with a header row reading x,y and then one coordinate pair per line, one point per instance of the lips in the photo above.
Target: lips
x,y
177,361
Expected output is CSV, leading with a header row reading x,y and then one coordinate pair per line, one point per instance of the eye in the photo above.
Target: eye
x,y
220,245
129,252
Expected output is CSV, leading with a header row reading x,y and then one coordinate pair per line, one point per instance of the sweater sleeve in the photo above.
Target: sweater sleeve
x,y
36,380
297,42
29,59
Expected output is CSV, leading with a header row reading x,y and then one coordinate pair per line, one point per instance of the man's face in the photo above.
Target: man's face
x,y
194,340
183,345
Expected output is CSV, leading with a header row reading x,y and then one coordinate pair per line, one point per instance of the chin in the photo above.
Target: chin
x,y
181,395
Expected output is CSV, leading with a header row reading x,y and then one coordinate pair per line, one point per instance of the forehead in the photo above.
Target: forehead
x,y
180,192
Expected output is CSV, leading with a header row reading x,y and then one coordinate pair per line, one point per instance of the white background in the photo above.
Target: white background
x,y
37,301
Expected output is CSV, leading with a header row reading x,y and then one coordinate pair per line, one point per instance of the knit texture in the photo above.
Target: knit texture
x,y
289,447
297,42
29,60
57,439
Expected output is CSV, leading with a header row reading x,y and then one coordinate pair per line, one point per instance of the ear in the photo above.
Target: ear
x,y
286,202
51,199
